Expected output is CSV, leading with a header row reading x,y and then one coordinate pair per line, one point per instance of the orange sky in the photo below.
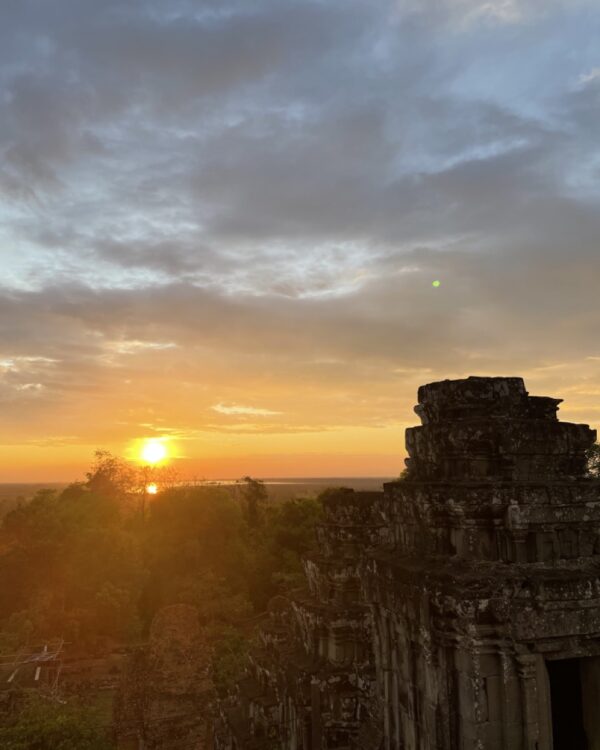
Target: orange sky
x,y
335,432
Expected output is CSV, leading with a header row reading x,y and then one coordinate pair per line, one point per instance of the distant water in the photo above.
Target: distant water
x,y
357,483
279,487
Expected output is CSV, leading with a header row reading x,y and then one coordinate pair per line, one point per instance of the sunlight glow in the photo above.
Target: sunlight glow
x,y
153,451
151,489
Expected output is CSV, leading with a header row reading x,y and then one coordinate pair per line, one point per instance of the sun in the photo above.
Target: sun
x,y
152,489
153,451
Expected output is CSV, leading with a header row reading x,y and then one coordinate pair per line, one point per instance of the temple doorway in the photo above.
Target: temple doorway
x,y
575,703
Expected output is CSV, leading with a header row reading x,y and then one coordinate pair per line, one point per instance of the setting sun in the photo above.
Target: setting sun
x,y
153,451
151,489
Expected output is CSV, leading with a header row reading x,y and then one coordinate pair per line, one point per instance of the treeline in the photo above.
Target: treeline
x,y
98,559
94,563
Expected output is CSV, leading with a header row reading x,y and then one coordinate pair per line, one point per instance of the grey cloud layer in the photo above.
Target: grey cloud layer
x,y
288,178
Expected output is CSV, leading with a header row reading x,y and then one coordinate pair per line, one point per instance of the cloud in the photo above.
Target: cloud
x,y
501,11
591,76
237,410
208,206
510,11
133,347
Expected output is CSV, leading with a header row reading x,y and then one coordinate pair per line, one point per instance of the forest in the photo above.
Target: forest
x,y
92,564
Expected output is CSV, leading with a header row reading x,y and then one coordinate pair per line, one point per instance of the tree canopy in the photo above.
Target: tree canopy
x,y
85,564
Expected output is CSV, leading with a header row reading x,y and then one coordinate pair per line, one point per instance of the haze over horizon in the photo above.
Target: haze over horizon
x,y
221,224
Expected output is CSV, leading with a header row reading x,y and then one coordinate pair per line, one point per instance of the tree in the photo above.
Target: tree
x,y
44,725
70,563
286,534
112,476
593,458
196,551
254,497
229,659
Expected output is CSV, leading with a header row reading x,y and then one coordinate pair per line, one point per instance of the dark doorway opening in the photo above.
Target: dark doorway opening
x,y
568,729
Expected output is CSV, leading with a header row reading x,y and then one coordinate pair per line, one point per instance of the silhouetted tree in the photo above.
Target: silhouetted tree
x,y
110,475
254,496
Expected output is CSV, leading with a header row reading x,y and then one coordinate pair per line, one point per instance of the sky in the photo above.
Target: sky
x,y
221,221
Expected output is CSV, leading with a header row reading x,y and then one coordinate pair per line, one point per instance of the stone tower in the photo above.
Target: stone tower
x,y
486,605
459,609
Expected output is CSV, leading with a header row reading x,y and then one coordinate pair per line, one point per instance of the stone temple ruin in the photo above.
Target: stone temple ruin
x,y
459,609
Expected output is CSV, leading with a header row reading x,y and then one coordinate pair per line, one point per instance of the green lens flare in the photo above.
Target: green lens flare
x,y
436,283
